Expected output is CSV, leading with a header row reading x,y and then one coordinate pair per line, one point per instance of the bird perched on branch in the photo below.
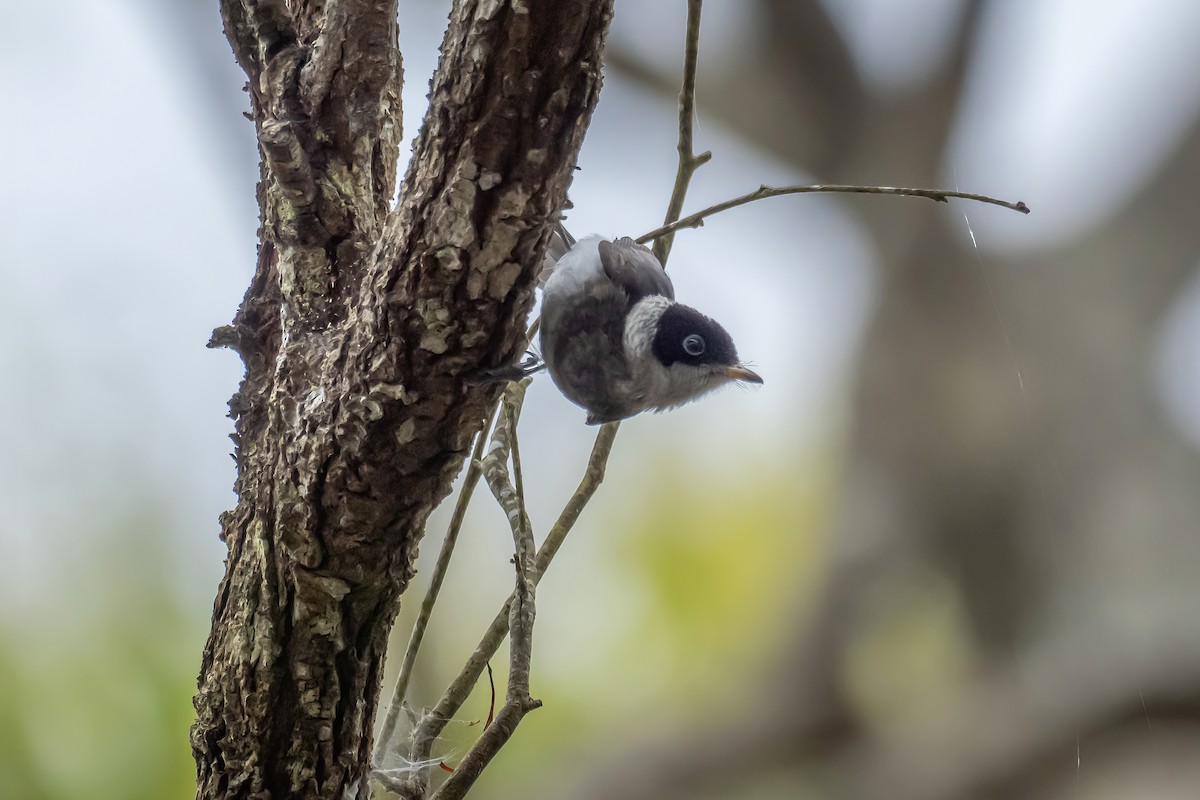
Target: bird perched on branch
x,y
614,339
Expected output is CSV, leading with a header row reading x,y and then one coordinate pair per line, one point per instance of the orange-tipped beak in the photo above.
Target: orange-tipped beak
x,y
741,374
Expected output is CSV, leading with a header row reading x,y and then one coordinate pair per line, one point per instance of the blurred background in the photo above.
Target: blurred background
x,y
949,550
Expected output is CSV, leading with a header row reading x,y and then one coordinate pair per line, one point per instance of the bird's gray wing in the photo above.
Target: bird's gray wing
x,y
634,268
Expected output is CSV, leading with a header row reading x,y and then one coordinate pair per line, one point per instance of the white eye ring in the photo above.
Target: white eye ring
x,y
693,344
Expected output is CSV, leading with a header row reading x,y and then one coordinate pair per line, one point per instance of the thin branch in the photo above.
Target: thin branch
x,y
492,690
525,546
494,470
518,701
764,192
400,693
689,162
388,780
432,725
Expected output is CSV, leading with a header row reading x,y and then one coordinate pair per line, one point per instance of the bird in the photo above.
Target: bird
x,y
614,339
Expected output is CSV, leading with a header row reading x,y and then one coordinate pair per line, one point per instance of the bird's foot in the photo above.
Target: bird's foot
x,y
507,373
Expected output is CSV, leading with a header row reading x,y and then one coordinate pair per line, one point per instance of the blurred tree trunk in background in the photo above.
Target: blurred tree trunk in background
x,y
356,332
1026,501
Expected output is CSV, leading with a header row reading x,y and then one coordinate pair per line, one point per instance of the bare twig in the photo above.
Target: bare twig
x,y
400,693
525,546
388,780
494,470
764,192
492,689
434,722
518,701
689,162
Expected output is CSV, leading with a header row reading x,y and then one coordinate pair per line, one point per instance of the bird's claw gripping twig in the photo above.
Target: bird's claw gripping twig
x,y
507,373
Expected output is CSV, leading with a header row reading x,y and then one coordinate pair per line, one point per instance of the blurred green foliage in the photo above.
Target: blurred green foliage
x,y
724,566
914,642
96,679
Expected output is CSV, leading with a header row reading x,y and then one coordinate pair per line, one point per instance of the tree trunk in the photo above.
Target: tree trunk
x,y
356,332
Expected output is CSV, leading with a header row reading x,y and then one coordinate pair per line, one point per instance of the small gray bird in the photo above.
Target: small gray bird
x,y
617,343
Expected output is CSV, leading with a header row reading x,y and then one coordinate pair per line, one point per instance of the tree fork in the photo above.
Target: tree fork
x,y
356,332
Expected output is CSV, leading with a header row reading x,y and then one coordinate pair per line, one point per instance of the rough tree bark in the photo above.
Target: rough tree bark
x,y
356,332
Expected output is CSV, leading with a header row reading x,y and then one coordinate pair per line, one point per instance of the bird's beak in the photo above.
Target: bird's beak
x,y
741,374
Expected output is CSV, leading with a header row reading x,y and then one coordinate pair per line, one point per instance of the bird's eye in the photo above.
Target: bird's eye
x,y
693,344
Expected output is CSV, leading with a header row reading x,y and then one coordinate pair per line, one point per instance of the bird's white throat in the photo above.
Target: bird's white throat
x,y
641,324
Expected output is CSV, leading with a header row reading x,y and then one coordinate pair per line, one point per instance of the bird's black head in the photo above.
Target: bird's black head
x,y
685,335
